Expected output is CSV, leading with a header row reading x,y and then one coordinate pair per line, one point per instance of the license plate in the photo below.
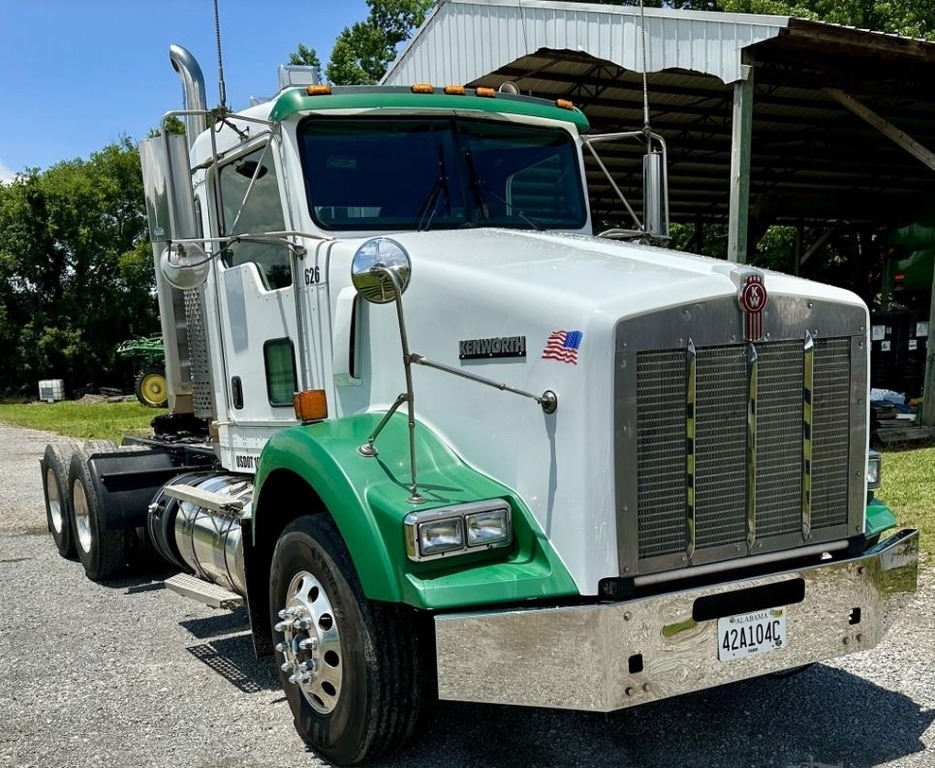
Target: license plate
x,y
751,634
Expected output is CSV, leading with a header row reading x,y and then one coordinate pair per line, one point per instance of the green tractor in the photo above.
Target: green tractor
x,y
148,358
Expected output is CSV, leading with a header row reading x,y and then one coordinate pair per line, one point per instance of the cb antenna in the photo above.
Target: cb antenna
x,y
222,90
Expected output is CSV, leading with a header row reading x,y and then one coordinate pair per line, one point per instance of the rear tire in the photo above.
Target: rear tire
x,y
102,553
55,488
361,686
151,388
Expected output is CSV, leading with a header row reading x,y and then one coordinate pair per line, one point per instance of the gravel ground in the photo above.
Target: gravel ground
x,y
128,674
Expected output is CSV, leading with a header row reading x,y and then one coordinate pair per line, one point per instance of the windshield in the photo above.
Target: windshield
x,y
437,173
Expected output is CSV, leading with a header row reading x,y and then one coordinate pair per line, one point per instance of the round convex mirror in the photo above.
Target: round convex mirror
x,y
380,268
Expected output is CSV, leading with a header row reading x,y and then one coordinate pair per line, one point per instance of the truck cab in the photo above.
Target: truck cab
x,y
443,440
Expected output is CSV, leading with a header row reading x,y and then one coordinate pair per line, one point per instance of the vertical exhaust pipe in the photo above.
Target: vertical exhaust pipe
x,y
193,89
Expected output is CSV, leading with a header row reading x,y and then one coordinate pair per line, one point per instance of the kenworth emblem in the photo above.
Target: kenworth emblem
x,y
752,297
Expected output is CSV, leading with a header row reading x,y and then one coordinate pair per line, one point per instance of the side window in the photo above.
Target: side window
x,y
541,189
279,362
252,205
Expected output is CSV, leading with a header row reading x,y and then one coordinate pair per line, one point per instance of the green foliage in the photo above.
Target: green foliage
x,y
75,271
85,421
306,57
363,51
905,17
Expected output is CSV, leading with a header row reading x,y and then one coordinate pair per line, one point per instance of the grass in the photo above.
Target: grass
x,y
84,421
908,488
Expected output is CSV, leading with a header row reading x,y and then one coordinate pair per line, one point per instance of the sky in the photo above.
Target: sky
x,y
77,75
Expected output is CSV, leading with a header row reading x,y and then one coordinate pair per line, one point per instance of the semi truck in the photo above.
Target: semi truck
x,y
437,438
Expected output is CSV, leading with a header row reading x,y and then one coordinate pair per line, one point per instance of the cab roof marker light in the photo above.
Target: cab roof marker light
x,y
318,90
455,90
422,88
564,104
488,93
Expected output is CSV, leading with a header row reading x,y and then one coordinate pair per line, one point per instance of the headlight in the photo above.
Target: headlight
x,y
874,467
457,530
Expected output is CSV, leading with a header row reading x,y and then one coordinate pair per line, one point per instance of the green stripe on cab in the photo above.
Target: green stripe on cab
x,y
296,100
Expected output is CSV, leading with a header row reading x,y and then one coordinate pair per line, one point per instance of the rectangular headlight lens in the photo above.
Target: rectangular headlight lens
x,y
438,536
488,528
459,529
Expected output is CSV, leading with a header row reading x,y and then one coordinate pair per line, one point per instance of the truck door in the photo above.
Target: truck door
x,y
256,305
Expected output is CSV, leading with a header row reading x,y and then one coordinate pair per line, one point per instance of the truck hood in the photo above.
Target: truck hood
x,y
586,272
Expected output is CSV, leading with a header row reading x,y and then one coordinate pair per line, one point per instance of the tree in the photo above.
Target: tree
x,y
75,271
306,57
363,51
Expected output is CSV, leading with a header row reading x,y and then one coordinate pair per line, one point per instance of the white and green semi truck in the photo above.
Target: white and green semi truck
x,y
441,439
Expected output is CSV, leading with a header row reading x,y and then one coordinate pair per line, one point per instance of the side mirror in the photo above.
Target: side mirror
x,y
380,270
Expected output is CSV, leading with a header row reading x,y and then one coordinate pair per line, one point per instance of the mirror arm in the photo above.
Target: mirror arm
x,y
548,399
406,397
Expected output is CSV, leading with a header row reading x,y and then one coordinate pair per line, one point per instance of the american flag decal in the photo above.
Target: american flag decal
x,y
563,346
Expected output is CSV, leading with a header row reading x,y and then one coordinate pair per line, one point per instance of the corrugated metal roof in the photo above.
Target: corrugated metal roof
x,y
463,39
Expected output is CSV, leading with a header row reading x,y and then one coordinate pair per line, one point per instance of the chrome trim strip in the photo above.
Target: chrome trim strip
x,y
808,384
752,374
515,661
691,369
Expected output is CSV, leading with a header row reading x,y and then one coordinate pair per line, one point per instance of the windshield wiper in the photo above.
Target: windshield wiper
x,y
478,190
427,211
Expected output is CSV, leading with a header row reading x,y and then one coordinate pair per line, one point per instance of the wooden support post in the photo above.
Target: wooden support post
x,y
928,387
741,130
903,139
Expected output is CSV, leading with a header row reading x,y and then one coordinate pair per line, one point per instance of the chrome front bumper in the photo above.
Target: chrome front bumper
x,y
609,656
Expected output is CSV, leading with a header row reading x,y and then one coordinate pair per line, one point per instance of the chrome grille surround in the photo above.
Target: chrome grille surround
x,y
726,449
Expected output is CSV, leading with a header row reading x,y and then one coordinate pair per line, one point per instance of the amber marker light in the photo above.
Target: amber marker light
x,y
422,88
318,90
455,90
564,104
487,93
310,405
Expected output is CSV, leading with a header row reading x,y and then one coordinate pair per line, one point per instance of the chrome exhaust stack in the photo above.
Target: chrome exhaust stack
x,y
193,90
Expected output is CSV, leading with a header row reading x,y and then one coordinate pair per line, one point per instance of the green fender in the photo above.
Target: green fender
x,y
880,518
368,500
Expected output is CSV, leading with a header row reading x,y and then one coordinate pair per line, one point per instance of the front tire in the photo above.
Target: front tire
x,y
102,553
351,668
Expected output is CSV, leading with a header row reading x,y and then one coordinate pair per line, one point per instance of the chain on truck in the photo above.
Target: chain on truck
x,y
441,440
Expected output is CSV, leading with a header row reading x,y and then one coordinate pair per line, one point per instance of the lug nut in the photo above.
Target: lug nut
x,y
282,626
308,644
302,678
287,613
301,624
308,666
286,666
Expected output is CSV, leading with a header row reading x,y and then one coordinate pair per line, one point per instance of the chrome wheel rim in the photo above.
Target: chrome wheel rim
x,y
82,517
55,502
311,644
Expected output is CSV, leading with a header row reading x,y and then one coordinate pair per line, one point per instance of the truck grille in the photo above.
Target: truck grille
x,y
739,448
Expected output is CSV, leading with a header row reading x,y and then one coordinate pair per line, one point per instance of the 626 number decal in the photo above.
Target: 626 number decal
x,y
312,275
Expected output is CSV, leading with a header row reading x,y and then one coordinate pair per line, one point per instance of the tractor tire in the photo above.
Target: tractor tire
x,y
151,388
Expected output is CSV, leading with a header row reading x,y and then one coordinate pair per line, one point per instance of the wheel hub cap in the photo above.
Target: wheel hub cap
x,y
311,644
55,503
82,517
